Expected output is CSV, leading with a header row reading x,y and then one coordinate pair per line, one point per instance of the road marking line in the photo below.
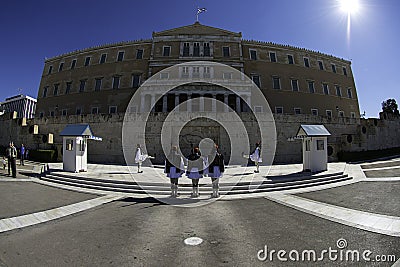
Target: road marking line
x,y
18,222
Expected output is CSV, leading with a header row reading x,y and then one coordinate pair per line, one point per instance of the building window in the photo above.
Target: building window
x,y
311,87
272,56
45,89
186,49
206,51
164,75
325,88
136,80
344,71
321,64
60,67
41,114
82,86
308,145
333,68
120,56
297,111
115,84
139,53
95,110
103,58
196,72
295,85
256,80
306,62
78,111
253,54
226,51
320,145
349,93
185,72
207,73
227,75
276,82
196,49
87,61
55,91
338,90
314,111
73,64
97,86
258,109
290,59
279,110
341,114
50,69
112,110
352,115
64,112
69,144
329,113
68,88
166,51
52,113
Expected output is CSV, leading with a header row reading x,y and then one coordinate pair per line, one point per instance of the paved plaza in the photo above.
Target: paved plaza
x,y
44,223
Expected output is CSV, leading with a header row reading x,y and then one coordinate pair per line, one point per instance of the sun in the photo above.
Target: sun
x,y
349,6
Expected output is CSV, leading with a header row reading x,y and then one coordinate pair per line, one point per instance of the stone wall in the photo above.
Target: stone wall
x,y
347,135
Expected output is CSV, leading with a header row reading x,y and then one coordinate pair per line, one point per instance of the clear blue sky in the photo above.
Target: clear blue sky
x,y
33,30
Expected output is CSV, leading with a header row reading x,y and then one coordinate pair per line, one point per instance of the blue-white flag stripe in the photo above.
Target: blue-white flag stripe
x,y
201,10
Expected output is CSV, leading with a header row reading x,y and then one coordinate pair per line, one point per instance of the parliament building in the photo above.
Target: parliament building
x,y
102,80
95,86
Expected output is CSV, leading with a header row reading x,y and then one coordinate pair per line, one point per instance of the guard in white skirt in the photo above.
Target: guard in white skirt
x,y
256,157
174,167
216,170
195,170
140,157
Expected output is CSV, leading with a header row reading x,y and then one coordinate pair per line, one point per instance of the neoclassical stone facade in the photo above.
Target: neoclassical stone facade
x,y
95,86
102,79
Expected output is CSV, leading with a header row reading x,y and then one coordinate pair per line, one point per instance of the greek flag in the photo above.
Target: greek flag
x,y
201,10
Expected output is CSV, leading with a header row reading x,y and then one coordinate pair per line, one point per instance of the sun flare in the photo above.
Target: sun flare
x,y
350,6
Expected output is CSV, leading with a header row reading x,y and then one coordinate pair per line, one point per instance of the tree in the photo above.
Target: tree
x,y
390,107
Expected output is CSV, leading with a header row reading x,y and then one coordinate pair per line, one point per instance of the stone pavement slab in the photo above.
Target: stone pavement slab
x,y
147,233
393,172
374,197
18,198
377,223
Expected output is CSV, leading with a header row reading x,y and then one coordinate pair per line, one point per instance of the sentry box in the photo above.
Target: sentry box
x,y
315,155
75,137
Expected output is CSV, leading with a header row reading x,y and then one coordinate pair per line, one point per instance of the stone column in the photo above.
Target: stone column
x,y
177,101
214,103
142,103
226,106
189,104
153,102
238,109
164,103
201,102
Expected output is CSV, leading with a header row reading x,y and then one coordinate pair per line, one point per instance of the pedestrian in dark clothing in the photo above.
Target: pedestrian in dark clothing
x,y
8,155
22,151
13,158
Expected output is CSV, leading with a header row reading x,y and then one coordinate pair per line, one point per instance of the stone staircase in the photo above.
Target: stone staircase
x,y
269,184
